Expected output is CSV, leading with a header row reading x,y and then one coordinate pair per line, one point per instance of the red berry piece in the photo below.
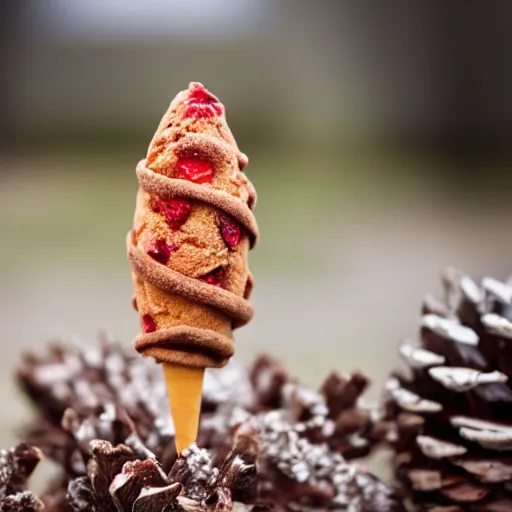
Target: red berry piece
x,y
157,204
215,277
201,104
176,211
230,231
148,324
195,170
134,304
161,252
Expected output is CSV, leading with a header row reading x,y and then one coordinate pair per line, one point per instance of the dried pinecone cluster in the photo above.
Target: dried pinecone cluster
x,y
267,442
454,410
16,466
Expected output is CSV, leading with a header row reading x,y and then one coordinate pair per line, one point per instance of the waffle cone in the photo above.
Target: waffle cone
x,y
184,388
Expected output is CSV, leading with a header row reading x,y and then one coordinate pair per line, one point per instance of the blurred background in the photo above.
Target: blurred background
x,y
379,136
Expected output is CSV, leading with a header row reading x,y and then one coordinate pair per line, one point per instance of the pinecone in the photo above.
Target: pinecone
x,y
335,415
118,390
267,442
16,466
101,376
453,411
117,480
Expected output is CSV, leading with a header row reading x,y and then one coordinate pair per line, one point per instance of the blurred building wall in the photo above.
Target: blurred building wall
x,y
357,68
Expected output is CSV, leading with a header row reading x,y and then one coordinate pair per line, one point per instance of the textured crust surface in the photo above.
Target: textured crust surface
x,y
190,273
172,282
168,188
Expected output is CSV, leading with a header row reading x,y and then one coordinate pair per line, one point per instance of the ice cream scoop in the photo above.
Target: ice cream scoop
x,y
188,248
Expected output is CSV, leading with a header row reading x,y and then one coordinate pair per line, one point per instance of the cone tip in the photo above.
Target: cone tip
x,y
184,388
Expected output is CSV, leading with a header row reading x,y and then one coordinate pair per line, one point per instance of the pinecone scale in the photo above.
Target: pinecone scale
x,y
452,408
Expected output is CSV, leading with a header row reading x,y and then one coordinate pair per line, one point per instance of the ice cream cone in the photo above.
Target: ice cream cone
x,y
192,230
184,387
